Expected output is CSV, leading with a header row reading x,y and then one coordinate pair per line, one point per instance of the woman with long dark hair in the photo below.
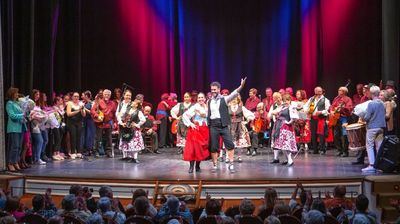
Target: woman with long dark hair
x,y
15,126
75,113
88,124
196,147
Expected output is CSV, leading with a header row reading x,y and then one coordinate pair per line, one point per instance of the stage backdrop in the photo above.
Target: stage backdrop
x,y
161,46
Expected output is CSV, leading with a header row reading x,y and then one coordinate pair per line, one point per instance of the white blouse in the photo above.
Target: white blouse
x,y
198,113
175,109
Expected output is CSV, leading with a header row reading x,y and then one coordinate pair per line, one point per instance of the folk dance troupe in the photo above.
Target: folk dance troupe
x,y
216,126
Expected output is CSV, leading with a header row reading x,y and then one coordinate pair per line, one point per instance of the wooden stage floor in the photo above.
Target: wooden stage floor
x,y
170,166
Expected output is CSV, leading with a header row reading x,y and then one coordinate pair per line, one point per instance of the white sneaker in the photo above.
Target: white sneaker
x,y
73,156
56,157
41,162
214,168
231,168
78,155
369,169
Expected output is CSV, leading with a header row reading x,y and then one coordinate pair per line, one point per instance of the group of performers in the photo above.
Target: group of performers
x,y
214,125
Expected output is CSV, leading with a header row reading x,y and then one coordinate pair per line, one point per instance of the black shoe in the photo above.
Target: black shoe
x,y
157,152
290,164
46,159
124,159
339,154
190,169
136,161
254,153
275,161
248,152
322,152
180,151
284,162
346,154
198,170
357,163
315,152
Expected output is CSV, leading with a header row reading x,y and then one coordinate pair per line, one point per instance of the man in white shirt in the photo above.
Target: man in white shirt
x,y
219,121
318,107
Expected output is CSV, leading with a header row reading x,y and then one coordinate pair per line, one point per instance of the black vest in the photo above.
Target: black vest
x,y
148,123
320,105
223,111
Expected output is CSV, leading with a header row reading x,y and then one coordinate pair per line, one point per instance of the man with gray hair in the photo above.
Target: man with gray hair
x,y
103,113
375,118
340,112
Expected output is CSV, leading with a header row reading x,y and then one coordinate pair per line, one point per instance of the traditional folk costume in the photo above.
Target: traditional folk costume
x,y
283,136
240,135
342,106
131,140
176,113
302,125
196,147
275,107
130,121
318,122
219,121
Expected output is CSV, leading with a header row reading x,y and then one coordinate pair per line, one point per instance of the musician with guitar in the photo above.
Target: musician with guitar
x,y
103,113
318,109
339,115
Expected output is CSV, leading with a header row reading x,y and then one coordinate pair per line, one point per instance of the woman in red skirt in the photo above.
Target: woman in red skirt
x,y
196,147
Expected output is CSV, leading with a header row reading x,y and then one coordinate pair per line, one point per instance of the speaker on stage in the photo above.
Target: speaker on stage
x,y
388,156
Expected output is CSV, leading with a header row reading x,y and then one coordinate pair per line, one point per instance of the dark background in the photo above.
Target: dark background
x,y
73,45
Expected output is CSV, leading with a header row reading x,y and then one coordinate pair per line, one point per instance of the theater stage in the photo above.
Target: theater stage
x,y
170,166
158,171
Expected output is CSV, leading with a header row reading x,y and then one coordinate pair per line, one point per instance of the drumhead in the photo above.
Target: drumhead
x,y
354,126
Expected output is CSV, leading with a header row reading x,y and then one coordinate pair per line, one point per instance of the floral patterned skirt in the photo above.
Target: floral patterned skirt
x,y
286,139
180,141
134,145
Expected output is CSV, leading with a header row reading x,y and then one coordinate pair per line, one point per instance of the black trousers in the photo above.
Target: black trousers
x,y
154,139
216,131
314,136
256,139
56,135
163,132
75,129
106,132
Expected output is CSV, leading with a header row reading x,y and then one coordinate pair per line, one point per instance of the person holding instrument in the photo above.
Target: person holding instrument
x,y
340,112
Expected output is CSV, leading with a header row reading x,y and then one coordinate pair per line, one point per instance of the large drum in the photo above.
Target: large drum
x,y
356,134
